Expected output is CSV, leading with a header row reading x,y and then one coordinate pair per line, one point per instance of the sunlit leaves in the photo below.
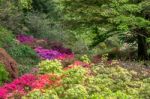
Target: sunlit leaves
x,y
25,4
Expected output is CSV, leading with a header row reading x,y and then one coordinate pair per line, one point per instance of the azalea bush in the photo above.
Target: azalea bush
x,y
46,53
25,38
52,54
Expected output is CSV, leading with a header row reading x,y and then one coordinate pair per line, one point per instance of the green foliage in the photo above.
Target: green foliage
x,y
25,4
23,54
105,82
117,95
145,91
77,91
11,16
4,75
85,59
50,66
38,94
74,75
104,19
41,26
23,69
115,82
46,6
6,38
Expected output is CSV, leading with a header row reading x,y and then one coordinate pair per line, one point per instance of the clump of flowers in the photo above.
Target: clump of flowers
x,y
28,82
21,85
46,53
59,47
52,54
47,80
65,56
25,38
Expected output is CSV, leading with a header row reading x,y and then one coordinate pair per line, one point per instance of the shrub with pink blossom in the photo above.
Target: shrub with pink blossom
x,y
22,85
52,54
25,38
46,53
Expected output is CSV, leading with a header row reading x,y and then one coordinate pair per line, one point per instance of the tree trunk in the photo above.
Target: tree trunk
x,y
142,45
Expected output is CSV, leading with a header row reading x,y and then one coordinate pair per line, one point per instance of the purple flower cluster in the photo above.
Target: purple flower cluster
x,y
46,53
25,38
59,47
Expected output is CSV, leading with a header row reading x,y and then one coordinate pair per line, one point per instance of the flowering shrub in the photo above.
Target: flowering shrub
x,y
80,63
28,82
52,54
65,56
46,80
59,47
50,66
21,85
46,53
25,38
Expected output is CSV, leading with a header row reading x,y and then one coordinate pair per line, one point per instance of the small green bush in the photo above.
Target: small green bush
x,y
4,75
85,58
23,54
6,38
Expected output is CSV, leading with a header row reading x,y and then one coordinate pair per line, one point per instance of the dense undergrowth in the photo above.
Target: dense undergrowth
x,y
94,81
60,75
99,38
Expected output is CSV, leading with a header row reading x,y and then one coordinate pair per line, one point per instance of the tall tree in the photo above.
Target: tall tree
x,y
111,18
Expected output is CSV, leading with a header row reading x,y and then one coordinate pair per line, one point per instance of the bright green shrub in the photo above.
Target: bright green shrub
x,y
85,58
44,94
113,79
145,90
74,75
50,66
77,91
111,95
4,75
